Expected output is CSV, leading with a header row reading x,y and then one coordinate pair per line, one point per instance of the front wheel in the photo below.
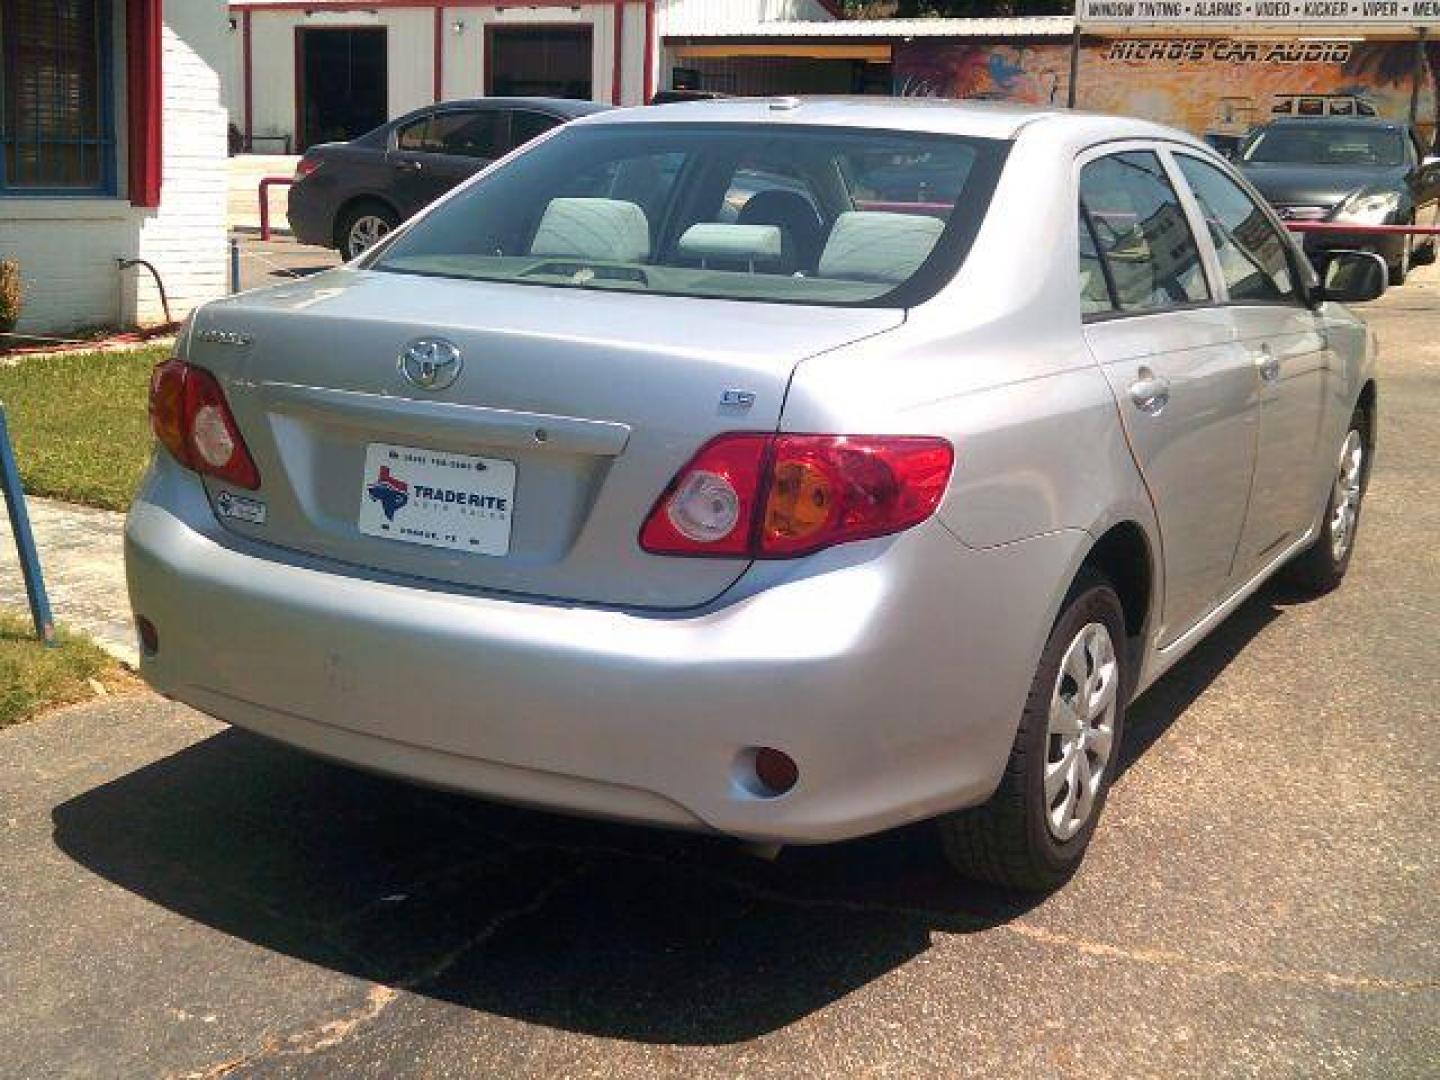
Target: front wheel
x,y
1033,832
1321,567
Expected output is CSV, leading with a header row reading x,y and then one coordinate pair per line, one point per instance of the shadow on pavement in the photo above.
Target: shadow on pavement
x,y
591,927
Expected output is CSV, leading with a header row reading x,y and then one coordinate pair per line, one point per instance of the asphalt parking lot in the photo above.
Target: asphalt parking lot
x,y
181,899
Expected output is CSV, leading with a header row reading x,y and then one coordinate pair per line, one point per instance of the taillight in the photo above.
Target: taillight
x,y
189,416
782,496
304,167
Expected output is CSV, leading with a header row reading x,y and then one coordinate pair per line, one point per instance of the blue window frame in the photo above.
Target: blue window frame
x,y
57,124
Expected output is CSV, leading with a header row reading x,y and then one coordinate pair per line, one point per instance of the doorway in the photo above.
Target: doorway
x,y
539,61
340,83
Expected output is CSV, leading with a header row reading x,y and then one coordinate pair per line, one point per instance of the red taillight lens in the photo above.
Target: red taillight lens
x,y
782,496
189,416
167,409
709,508
305,166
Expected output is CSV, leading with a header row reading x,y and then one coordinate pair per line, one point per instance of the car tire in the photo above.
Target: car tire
x,y
1424,255
1321,567
362,226
1031,834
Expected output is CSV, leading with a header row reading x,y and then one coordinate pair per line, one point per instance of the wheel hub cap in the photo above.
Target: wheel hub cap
x,y
1081,730
1345,499
366,232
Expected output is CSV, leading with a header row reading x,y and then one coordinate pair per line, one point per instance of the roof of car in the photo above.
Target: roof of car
x,y
559,106
980,119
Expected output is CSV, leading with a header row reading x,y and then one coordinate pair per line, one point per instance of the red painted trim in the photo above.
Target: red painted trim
x,y
618,67
648,86
1378,230
299,131
144,100
248,65
438,65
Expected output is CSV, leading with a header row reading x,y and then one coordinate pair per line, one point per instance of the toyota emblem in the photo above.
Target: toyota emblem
x,y
430,363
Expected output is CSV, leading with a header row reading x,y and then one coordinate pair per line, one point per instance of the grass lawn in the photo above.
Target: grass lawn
x,y
79,425
35,676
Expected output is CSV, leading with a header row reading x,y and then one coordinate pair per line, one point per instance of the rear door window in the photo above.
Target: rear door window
x,y
1252,253
1141,233
526,125
1095,296
483,134
411,137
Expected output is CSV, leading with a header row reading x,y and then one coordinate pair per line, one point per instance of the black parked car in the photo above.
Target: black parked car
x,y
1353,171
348,195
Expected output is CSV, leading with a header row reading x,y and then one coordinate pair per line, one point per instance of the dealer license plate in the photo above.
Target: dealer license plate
x,y
432,497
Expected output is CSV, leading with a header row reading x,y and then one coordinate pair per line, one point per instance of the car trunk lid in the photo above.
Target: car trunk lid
x,y
533,470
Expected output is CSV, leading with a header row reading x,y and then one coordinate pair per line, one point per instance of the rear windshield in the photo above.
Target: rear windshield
x,y
1326,144
742,212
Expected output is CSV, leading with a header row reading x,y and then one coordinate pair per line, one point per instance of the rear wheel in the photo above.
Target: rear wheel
x,y
1321,567
1033,832
363,226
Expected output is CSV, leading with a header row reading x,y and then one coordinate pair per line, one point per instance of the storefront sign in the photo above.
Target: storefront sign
x,y
1182,50
1314,14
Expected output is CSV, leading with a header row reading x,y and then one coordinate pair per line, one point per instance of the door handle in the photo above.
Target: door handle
x,y
1150,392
409,166
1268,364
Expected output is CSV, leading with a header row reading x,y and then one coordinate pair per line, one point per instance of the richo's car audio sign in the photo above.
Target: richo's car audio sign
x,y
1313,13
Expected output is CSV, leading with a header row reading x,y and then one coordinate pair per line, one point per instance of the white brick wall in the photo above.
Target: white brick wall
x,y
185,238
67,248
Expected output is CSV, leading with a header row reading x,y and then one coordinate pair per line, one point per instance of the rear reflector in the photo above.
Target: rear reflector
x,y
190,417
782,496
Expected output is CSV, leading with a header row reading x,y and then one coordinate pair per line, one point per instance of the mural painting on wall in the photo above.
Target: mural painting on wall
x,y
1216,88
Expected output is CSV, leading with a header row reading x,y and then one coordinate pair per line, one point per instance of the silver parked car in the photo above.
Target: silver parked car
x,y
787,469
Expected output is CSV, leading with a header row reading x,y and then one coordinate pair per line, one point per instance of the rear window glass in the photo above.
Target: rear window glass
x,y
1141,233
773,213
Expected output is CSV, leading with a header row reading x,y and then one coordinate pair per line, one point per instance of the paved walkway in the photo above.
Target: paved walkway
x,y
246,172
82,559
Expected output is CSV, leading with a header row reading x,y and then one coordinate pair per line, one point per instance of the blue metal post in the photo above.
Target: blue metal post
x,y
24,539
234,265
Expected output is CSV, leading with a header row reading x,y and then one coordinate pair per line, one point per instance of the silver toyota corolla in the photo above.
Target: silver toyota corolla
x,y
787,469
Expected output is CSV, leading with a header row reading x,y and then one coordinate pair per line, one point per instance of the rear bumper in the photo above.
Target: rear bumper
x,y
311,215
894,674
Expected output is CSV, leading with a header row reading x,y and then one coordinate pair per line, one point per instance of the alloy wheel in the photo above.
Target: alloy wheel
x,y
1345,499
1081,729
366,231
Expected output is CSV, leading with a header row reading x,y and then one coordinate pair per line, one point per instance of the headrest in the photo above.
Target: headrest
x,y
874,245
738,243
603,229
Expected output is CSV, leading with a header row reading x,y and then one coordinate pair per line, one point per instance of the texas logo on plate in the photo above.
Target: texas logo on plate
x,y
418,496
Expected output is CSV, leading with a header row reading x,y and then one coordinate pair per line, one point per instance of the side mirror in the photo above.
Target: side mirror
x,y
1352,277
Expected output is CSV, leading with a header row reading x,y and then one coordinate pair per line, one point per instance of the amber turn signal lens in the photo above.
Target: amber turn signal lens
x,y
801,503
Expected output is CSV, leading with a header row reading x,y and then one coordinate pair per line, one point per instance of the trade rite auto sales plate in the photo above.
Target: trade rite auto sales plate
x,y
432,497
